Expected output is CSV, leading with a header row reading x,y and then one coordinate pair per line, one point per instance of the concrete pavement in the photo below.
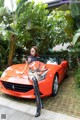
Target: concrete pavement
x,y
14,110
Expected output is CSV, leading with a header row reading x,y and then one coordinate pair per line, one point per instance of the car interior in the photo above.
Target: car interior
x,y
50,59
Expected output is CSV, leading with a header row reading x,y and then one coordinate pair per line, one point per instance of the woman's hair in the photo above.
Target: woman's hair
x,y
36,49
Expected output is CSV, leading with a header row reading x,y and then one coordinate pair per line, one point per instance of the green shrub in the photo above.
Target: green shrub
x,y
77,77
1,73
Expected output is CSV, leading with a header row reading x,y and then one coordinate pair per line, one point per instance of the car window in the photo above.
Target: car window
x,y
51,60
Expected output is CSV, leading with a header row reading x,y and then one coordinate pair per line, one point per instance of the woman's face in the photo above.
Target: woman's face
x,y
32,52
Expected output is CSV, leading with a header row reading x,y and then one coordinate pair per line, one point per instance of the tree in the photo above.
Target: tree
x,y
7,20
73,27
43,29
59,23
32,24
34,27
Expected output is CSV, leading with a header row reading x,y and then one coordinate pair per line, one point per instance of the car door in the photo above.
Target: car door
x,y
62,70
64,65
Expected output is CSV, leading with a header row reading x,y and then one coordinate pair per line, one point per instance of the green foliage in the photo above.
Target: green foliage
x,y
77,77
73,18
75,14
32,24
70,26
75,38
37,27
75,11
33,28
58,27
1,3
73,28
61,54
2,11
1,73
63,7
3,52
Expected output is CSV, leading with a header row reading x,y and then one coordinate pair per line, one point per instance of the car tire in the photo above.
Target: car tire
x,y
55,86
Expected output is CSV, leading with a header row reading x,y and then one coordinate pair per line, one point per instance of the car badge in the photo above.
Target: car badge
x,y
13,87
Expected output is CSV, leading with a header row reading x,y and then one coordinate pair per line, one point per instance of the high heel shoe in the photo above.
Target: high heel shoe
x,y
38,113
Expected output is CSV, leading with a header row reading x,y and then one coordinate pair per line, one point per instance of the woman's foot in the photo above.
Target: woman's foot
x,y
38,111
37,114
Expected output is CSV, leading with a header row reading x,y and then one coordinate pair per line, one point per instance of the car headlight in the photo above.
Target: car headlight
x,y
37,74
43,76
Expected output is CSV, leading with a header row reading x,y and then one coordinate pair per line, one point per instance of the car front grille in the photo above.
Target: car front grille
x,y
17,87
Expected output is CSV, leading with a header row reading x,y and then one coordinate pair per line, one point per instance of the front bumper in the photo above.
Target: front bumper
x,y
18,90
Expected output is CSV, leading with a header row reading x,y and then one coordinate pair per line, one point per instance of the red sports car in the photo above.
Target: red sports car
x,y
17,83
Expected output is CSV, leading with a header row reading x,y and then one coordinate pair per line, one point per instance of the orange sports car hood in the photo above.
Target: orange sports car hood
x,y
14,74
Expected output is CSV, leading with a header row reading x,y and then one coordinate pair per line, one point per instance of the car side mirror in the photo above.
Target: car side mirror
x,y
63,63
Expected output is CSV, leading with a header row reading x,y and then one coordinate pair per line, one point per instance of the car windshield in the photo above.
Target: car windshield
x,y
49,59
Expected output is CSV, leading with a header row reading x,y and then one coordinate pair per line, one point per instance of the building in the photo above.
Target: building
x,y
56,3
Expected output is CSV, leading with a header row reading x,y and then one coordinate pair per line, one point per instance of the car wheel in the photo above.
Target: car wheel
x,y
55,86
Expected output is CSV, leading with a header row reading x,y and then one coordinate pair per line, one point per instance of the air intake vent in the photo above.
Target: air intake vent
x,y
17,87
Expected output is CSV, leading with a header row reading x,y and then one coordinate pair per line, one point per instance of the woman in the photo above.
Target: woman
x,y
33,54
34,57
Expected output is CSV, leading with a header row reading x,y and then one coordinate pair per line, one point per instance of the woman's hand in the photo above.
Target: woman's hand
x,y
23,60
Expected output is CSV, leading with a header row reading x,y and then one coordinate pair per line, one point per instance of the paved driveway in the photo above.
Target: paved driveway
x,y
11,110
